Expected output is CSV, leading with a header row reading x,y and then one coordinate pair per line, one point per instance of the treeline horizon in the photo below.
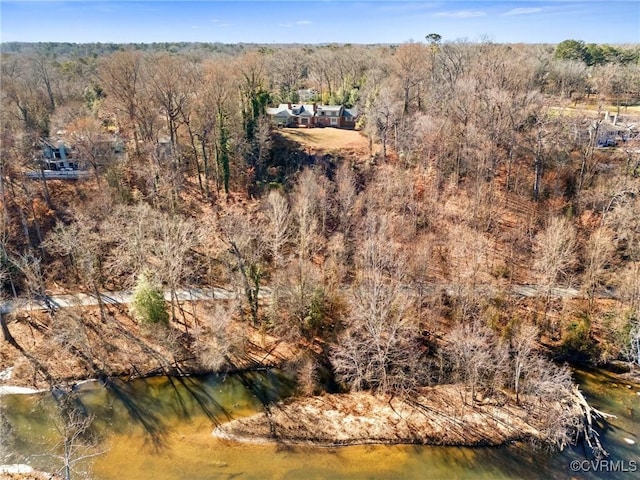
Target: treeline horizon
x,y
88,48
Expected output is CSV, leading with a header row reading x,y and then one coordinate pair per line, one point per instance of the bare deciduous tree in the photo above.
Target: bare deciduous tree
x,y
92,146
345,197
599,249
476,359
522,344
554,249
44,71
121,76
630,295
467,259
175,239
82,242
548,388
410,63
382,117
287,68
309,209
277,211
171,81
77,442
243,235
219,338
379,348
32,269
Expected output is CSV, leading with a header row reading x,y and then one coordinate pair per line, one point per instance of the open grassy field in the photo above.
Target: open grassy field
x,y
631,109
590,109
327,139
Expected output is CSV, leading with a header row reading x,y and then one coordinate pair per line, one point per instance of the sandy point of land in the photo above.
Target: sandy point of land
x,y
19,471
16,390
436,417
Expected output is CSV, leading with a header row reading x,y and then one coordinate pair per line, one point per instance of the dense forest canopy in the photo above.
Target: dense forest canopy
x,y
393,263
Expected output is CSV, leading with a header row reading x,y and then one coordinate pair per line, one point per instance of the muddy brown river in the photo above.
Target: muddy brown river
x,y
160,428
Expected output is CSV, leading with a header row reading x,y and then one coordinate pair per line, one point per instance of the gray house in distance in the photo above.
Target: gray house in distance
x,y
56,162
609,130
312,115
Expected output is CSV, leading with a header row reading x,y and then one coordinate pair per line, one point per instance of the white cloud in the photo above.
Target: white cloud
x,y
218,23
294,24
412,7
461,14
522,11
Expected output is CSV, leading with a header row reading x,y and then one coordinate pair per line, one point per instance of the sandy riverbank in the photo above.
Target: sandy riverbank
x,y
24,472
436,417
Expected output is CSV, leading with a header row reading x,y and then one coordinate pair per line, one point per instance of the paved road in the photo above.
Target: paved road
x,y
516,290
109,298
196,294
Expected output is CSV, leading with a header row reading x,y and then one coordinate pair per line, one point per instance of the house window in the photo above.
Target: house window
x,y
334,121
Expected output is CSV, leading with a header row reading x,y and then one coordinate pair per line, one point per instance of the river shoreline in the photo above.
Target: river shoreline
x,y
437,416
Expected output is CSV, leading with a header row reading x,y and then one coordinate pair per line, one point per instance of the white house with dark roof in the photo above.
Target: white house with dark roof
x,y
312,115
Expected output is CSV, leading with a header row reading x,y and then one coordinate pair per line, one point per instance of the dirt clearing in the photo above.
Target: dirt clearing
x,y
327,140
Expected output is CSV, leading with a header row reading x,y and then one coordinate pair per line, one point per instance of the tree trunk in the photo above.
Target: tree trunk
x,y
205,164
537,166
45,187
67,460
96,292
6,334
194,149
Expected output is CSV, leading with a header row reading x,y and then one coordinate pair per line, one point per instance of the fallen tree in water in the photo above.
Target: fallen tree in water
x,y
586,429
435,416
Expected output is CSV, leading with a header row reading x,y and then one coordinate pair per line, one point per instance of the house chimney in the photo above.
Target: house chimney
x,y
315,107
289,105
61,149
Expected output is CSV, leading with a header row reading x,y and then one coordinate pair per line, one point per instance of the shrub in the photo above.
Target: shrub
x,y
148,304
577,342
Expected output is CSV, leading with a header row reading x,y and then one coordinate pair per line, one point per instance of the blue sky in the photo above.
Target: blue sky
x,y
320,21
